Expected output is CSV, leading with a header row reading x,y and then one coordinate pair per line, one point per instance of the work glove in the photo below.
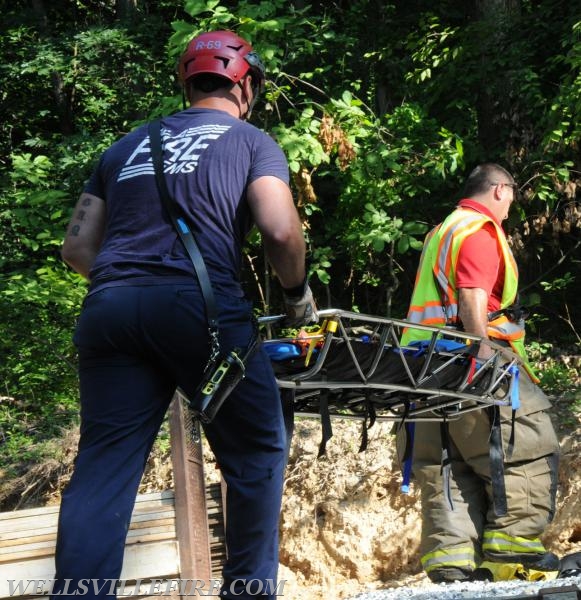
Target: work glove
x,y
299,306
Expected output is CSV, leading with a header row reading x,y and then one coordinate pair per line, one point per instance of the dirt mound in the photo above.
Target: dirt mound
x,y
345,525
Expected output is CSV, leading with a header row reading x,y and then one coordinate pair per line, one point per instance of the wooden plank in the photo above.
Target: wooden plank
x,y
37,518
143,560
14,538
158,560
165,528
143,501
143,527
190,492
26,523
47,548
45,529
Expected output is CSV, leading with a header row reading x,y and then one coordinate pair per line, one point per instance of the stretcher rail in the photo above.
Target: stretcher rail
x,y
353,365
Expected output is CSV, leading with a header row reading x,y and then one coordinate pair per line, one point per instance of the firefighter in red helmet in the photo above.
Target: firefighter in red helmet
x,y
223,54
143,328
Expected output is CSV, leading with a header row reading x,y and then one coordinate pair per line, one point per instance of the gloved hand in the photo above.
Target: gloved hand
x,y
300,307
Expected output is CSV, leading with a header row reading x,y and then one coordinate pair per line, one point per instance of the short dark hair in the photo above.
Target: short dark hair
x,y
207,83
482,176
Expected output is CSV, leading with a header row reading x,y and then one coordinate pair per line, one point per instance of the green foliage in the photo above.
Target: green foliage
x,y
300,141
69,90
262,23
381,108
558,372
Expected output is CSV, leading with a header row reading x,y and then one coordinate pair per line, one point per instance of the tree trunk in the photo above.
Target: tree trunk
x,y
59,92
496,86
62,100
39,12
127,10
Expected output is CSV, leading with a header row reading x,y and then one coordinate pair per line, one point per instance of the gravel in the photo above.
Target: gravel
x,y
468,591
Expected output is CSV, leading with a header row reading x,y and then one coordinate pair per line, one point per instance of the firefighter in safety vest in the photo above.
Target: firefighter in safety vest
x,y
479,521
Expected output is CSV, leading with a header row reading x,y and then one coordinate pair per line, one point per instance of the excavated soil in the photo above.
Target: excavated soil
x,y
345,526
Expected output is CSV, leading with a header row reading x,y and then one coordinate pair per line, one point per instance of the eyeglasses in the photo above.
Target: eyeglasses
x,y
514,186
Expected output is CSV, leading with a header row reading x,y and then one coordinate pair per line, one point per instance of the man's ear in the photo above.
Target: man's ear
x,y
248,87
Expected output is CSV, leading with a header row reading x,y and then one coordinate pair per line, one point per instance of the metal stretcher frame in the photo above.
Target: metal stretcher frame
x,y
421,383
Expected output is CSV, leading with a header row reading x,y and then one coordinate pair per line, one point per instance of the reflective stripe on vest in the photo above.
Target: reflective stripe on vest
x,y
452,233
512,332
435,296
461,556
499,542
502,328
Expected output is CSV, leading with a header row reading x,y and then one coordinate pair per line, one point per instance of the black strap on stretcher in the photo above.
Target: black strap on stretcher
x,y
326,427
446,465
496,456
368,422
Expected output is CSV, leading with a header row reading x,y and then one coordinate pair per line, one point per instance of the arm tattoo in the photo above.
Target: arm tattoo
x,y
75,230
86,201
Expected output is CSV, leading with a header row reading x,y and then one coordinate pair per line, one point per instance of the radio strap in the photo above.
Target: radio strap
x,y
185,234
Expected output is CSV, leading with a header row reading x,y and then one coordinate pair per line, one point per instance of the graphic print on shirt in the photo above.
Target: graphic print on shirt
x,y
181,153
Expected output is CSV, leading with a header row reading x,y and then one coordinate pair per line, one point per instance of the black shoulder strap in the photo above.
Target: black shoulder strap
x,y
182,227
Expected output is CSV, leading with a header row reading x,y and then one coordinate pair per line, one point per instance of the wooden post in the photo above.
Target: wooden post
x,y
192,528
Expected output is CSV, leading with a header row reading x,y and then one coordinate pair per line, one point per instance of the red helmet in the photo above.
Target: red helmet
x,y
221,53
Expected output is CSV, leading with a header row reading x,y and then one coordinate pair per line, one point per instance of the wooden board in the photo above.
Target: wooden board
x,y
170,536
28,538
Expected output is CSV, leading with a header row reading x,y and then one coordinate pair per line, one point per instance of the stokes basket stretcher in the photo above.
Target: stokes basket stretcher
x,y
354,366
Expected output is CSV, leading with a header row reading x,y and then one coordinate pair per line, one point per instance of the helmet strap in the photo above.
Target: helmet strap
x,y
255,90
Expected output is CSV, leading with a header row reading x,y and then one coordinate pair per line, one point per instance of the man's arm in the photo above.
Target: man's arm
x,y
278,221
473,313
84,234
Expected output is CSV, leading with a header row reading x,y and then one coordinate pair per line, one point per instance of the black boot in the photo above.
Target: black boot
x,y
570,565
450,575
539,562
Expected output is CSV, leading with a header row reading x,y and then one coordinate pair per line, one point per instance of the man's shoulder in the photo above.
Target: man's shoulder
x,y
467,216
254,131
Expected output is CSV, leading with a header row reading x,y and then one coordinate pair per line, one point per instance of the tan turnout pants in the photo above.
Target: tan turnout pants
x,y
530,478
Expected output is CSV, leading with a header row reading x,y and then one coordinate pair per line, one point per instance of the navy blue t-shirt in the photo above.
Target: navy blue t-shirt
x,y
210,158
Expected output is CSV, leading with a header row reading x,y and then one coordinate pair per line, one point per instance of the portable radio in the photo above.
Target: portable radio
x,y
220,378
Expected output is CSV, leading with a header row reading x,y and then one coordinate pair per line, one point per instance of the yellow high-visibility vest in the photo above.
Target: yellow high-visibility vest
x,y
435,296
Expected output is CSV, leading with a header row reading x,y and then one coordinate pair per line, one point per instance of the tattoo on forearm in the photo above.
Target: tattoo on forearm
x,y
76,229
82,216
